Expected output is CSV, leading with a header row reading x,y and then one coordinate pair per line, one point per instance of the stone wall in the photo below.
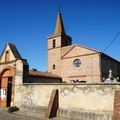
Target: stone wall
x,y
75,100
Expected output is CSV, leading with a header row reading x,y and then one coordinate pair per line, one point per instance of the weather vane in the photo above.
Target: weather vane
x,y
59,8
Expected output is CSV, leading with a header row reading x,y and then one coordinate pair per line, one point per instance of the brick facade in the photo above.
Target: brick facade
x,y
116,112
94,64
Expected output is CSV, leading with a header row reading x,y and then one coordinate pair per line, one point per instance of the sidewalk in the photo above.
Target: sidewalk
x,y
36,115
30,114
4,115
24,115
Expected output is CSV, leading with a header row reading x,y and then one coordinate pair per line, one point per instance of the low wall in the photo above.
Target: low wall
x,y
75,100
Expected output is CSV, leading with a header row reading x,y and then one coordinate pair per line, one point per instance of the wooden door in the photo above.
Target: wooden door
x,y
6,92
3,91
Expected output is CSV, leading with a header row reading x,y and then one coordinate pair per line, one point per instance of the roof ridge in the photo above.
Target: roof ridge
x,y
68,51
14,51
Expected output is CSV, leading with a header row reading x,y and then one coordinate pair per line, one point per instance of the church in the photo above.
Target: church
x,y
76,74
67,62
74,62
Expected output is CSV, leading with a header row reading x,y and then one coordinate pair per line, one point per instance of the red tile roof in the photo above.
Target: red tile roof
x,y
42,74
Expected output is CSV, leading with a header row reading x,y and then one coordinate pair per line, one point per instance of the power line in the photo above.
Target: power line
x,y
111,42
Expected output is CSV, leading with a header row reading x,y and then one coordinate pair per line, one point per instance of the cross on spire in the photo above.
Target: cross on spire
x,y
59,8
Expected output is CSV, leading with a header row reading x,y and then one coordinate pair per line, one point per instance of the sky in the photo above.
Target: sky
x,y
28,23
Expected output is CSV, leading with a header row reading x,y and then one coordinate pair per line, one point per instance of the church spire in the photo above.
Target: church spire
x,y
59,24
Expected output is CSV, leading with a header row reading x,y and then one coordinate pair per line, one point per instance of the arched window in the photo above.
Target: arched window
x,y
7,56
54,66
54,43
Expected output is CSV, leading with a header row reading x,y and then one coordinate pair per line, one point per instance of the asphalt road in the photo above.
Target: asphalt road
x,y
8,116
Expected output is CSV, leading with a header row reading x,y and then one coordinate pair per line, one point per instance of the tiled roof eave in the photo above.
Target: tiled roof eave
x,y
44,76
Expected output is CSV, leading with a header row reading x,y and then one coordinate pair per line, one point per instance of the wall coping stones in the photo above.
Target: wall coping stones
x,y
71,83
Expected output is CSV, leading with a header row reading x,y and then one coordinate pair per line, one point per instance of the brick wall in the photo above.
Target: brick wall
x,y
88,71
116,115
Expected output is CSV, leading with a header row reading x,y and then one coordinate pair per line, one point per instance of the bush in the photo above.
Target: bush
x,y
13,109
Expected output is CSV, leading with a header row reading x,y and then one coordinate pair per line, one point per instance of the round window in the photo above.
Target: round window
x,y
77,62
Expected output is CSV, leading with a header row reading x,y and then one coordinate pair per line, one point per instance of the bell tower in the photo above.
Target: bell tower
x,y
55,43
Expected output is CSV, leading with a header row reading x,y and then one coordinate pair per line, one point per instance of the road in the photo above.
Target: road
x,y
9,116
